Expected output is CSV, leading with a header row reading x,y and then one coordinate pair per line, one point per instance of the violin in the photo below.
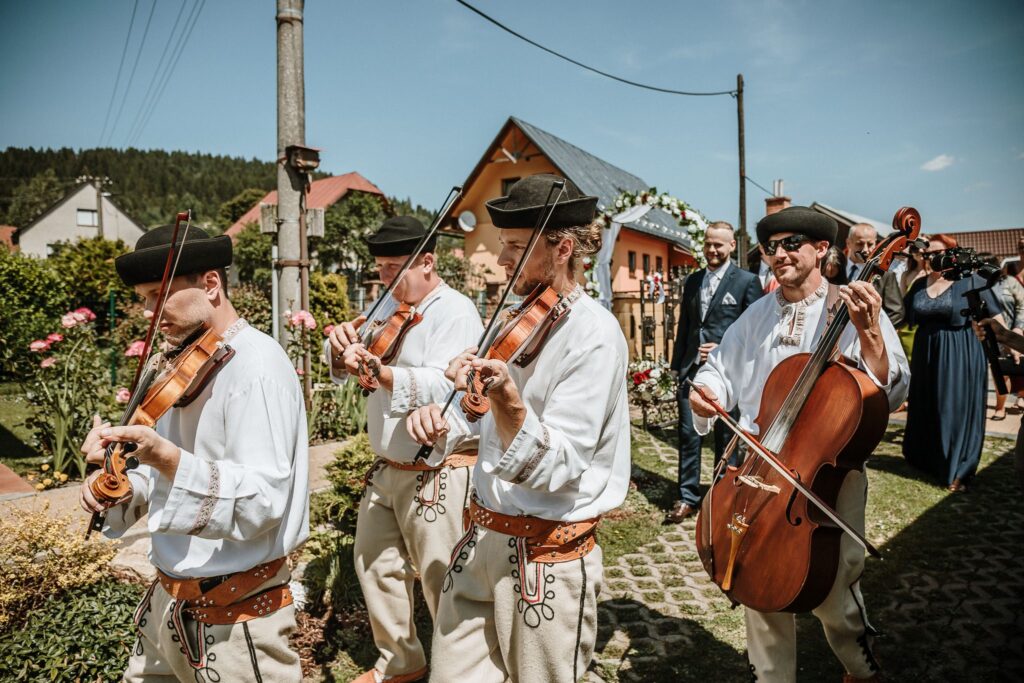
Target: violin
x,y
183,373
383,339
520,327
521,338
767,531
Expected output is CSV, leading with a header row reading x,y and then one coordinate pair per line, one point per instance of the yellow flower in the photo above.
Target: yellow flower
x,y
45,468
47,482
62,476
40,487
31,477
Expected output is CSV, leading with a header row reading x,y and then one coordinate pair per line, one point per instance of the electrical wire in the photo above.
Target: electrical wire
x,y
590,68
131,77
156,71
755,184
117,81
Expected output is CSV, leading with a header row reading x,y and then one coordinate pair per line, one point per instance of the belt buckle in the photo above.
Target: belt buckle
x,y
208,584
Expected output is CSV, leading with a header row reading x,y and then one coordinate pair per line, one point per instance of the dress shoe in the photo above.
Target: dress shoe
x,y
957,487
679,512
374,676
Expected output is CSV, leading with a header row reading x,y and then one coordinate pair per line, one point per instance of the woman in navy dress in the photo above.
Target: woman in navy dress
x,y
948,377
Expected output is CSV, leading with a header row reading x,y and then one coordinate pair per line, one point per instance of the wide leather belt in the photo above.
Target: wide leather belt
x,y
547,541
226,601
454,460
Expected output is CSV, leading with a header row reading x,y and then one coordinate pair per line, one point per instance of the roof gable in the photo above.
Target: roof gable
x,y
323,193
71,194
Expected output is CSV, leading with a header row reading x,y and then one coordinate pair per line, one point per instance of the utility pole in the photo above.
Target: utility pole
x,y
97,182
743,172
291,130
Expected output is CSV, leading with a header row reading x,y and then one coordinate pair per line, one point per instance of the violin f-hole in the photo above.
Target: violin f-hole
x,y
790,517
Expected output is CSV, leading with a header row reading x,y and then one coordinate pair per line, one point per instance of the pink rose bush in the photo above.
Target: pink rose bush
x,y
302,319
135,349
123,395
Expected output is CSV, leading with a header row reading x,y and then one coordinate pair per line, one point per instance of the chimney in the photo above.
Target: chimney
x,y
778,201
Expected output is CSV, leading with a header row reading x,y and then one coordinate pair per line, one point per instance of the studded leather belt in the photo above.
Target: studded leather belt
x,y
226,600
454,460
547,541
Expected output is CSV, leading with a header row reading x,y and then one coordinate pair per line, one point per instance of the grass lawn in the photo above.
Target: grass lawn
x,y
15,449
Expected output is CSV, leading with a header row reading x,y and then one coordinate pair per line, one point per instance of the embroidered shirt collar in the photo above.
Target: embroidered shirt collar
x,y
790,328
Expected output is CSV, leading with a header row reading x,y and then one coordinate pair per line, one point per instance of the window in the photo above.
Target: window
x,y
659,263
647,263
632,263
87,217
506,184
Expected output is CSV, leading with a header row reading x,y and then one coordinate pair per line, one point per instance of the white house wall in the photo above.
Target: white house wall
x,y
62,224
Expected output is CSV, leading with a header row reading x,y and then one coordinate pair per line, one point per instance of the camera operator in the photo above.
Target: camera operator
x,y
1010,293
1013,340
948,373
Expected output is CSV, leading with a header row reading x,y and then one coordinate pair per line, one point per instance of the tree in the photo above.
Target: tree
x,y
252,256
234,208
34,197
346,225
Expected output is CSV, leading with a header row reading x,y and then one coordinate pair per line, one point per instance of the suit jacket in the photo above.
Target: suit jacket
x,y
744,288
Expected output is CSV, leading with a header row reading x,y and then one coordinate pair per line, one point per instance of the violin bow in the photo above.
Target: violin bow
x,y
453,196
486,339
758,448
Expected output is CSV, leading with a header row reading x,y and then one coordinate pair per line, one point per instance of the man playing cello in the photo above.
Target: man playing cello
x,y
795,240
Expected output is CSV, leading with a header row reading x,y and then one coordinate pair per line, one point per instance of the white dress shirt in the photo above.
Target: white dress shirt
x,y
240,495
570,460
709,285
737,369
450,325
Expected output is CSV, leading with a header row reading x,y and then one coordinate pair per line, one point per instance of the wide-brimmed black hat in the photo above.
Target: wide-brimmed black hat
x,y
200,253
798,219
398,236
526,200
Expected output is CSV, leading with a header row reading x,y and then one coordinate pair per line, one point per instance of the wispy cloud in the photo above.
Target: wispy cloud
x,y
938,163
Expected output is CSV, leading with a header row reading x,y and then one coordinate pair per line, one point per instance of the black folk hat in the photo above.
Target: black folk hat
x,y
398,236
199,253
798,219
527,198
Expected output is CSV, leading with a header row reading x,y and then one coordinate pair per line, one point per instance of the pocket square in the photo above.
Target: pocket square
x,y
728,299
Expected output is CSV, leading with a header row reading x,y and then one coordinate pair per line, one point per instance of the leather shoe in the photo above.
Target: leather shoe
x,y
679,512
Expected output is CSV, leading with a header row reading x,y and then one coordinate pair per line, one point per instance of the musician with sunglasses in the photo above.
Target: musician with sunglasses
x,y
775,327
223,480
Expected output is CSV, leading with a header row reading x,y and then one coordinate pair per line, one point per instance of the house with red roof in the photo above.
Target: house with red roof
x,y
323,193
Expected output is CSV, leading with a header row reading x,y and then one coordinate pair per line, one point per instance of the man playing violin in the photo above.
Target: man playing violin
x,y
222,479
519,600
411,514
774,328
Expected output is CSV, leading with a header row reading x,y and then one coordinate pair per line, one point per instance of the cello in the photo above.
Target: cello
x,y
767,531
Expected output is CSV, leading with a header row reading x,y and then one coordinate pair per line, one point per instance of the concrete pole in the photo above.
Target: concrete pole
x,y
98,183
743,172
291,130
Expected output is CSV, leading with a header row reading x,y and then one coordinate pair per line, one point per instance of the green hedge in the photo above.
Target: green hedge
x,y
83,636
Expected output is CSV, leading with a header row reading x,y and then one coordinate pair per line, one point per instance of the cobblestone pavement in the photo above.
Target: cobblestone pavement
x,y
947,598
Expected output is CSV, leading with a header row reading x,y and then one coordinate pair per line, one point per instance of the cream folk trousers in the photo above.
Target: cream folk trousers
x,y
502,617
771,637
408,523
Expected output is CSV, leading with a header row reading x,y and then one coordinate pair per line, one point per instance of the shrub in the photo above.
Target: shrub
x,y
337,411
31,297
328,298
87,268
42,556
330,577
252,303
338,506
81,636
251,260
70,384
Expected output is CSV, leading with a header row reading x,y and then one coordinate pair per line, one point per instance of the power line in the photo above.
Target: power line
x,y
751,181
131,77
180,48
156,71
117,81
590,68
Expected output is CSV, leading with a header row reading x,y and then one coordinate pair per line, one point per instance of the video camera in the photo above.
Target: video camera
x,y
959,262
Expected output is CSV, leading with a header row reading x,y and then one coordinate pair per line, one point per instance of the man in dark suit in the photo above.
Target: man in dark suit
x,y
712,300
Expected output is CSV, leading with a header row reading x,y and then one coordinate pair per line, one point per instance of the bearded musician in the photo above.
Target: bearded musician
x,y
411,514
519,601
223,480
777,326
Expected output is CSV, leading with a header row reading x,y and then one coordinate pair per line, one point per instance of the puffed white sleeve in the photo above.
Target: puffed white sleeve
x,y
555,448
897,384
725,367
243,492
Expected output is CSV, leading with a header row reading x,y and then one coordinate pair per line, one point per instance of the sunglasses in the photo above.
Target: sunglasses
x,y
790,244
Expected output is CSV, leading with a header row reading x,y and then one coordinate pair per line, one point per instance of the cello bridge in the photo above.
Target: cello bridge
x,y
757,483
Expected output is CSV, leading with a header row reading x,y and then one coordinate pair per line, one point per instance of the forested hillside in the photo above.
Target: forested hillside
x,y
151,185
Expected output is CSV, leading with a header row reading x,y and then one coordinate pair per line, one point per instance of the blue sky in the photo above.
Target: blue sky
x,y
865,106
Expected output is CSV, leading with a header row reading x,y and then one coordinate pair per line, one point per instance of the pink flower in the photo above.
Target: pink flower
x,y
54,337
123,395
135,348
39,345
83,315
328,329
48,362
68,320
300,371
302,318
